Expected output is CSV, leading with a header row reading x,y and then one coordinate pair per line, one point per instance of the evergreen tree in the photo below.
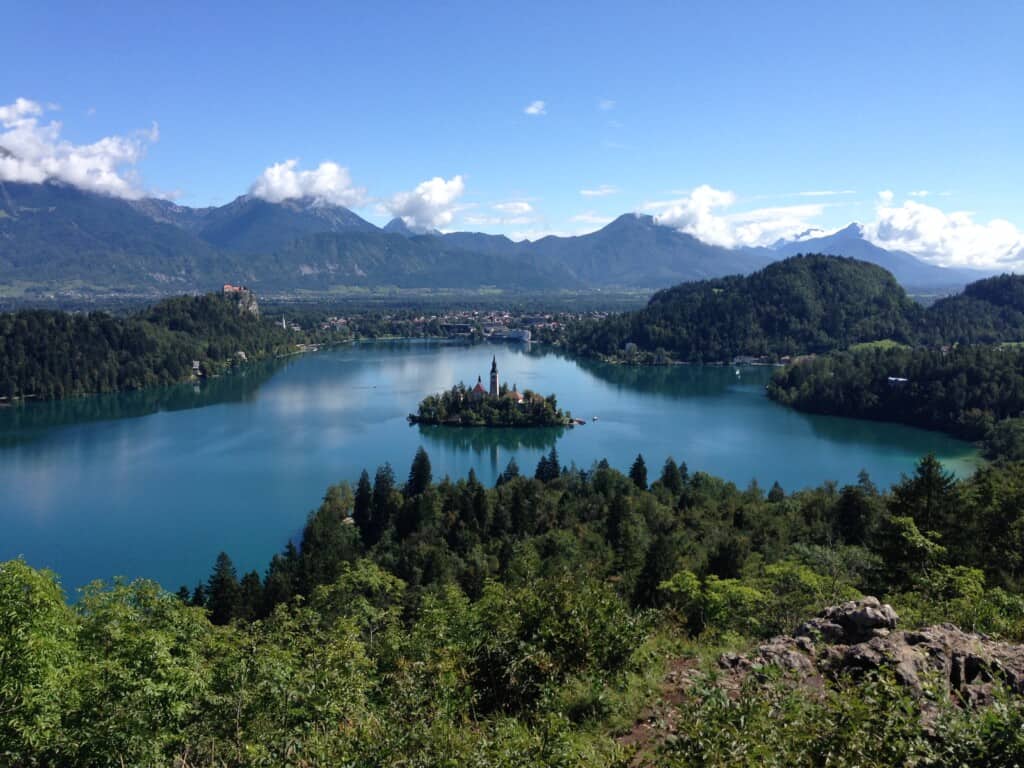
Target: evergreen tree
x,y
511,471
224,591
362,506
382,506
199,596
638,473
671,479
548,468
251,596
777,493
420,475
929,497
184,595
280,585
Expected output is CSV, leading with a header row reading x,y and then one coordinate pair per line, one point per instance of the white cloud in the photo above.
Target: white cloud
x,y
703,214
536,108
518,207
590,217
34,153
327,183
919,193
602,191
949,239
430,206
606,105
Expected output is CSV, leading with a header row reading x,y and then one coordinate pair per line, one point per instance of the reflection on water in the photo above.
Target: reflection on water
x,y
493,445
28,421
156,483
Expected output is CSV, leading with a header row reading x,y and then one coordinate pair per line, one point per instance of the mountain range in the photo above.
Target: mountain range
x,y
55,237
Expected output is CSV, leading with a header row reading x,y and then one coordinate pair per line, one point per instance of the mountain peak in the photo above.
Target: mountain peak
x,y
853,229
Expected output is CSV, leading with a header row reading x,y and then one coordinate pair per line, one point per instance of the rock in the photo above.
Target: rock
x,y
860,637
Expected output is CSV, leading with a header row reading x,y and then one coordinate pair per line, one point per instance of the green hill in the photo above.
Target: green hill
x,y
801,305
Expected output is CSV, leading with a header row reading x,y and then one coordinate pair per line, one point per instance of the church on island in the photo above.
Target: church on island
x,y
479,393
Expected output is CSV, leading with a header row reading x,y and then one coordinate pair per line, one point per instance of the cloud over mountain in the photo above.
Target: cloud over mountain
x,y
327,183
34,152
431,205
949,239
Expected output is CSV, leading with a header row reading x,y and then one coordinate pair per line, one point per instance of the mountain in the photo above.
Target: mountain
x,y
801,305
252,225
379,258
906,268
54,236
397,226
57,234
633,251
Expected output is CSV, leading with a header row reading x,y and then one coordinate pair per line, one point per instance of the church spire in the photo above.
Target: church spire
x,y
494,376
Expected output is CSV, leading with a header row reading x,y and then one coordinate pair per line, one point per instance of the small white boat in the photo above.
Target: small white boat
x,y
737,371
594,418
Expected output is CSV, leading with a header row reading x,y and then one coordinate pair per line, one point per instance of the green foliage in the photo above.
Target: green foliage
x,y
800,305
464,407
52,355
509,626
967,391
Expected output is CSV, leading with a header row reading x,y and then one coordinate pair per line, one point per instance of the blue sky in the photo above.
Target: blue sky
x,y
716,117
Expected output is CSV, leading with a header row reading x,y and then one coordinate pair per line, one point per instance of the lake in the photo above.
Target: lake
x,y
156,483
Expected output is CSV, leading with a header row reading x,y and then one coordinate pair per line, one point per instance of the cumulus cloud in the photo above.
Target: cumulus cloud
x,y
327,183
536,108
431,205
516,207
948,239
919,193
704,214
33,152
602,191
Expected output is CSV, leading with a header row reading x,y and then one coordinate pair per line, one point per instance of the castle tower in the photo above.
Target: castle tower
x,y
494,377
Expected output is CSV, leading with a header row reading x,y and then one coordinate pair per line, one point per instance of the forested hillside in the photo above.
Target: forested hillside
x,y
431,623
976,393
800,305
46,354
803,305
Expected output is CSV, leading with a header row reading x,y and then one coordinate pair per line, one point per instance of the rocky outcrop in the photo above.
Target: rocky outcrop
x,y
859,637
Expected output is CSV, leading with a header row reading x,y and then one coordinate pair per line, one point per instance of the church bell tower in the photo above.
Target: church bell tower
x,y
494,377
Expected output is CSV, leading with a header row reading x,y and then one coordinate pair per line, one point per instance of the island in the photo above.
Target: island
x,y
496,406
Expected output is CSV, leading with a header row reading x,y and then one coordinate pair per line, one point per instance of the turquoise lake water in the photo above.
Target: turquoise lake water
x,y
156,483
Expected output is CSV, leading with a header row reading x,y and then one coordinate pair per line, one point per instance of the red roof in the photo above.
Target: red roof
x,y
479,387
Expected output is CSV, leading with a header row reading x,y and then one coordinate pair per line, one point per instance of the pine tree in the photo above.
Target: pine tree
x,y
224,591
199,596
929,497
671,479
362,506
184,595
511,472
251,596
420,475
381,509
638,473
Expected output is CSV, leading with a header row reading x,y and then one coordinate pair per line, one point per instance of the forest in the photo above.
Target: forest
x,y
51,355
441,622
803,305
973,392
